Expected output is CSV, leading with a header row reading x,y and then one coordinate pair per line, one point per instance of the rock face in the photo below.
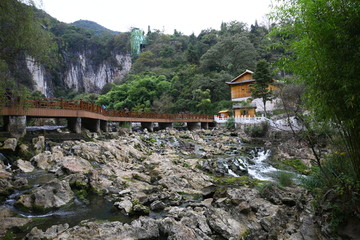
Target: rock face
x,y
53,194
84,76
81,73
39,76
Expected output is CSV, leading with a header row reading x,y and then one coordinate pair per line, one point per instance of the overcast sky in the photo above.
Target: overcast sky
x,y
186,16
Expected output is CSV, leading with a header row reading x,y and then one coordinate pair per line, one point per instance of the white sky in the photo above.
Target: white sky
x,y
186,16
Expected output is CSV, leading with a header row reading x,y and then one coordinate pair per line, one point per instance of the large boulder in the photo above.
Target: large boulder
x,y
224,224
24,166
43,160
10,144
74,164
53,194
176,230
125,205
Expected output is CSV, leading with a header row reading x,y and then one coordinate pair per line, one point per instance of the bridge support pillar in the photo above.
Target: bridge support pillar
x,y
212,124
74,124
148,125
193,126
164,125
104,126
204,125
92,125
15,125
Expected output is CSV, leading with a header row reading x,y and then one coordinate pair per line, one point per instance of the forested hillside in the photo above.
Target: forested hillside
x,y
173,73
179,73
93,26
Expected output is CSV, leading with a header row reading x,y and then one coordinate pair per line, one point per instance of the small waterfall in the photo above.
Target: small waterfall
x,y
261,169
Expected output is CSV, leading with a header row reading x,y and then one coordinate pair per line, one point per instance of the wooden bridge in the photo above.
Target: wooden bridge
x,y
88,115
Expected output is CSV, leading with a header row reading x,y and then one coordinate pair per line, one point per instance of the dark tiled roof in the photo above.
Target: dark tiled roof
x,y
240,82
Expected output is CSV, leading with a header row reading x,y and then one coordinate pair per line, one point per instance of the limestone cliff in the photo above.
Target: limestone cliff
x,y
83,75
80,73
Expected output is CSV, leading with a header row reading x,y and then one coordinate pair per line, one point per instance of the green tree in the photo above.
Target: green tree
x,y
202,98
232,53
137,95
21,35
321,39
260,89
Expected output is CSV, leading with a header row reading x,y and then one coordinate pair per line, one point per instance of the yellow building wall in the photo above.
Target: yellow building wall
x,y
240,91
244,112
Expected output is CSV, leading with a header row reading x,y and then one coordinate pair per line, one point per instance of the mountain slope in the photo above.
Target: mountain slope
x,y
95,27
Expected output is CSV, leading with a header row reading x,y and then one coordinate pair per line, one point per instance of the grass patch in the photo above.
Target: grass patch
x,y
239,181
150,141
185,164
293,164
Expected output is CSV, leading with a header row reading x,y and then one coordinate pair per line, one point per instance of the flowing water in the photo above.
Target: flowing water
x,y
95,208
260,167
46,128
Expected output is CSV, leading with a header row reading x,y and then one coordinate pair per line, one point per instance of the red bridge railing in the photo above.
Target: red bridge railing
x,y
70,104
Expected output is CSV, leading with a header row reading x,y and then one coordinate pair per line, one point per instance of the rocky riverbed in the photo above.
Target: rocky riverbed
x,y
164,185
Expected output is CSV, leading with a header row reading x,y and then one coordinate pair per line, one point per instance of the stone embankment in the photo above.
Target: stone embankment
x,y
158,180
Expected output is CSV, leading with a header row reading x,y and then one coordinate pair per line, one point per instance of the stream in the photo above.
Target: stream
x,y
239,161
95,208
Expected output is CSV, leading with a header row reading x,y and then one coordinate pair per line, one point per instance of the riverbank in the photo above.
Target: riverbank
x,y
165,185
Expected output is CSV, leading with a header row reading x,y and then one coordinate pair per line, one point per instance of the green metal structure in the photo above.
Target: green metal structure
x,y
137,41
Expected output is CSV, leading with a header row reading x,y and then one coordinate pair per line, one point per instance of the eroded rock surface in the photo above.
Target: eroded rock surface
x,y
161,176
53,194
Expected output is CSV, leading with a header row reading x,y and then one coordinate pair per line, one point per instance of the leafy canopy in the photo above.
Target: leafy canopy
x,y
260,89
322,41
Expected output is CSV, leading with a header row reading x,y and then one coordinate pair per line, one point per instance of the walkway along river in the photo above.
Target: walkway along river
x,y
80,114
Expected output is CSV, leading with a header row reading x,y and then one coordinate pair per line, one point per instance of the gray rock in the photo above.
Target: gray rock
x,y
20,182
157,205
24,166
125,205
73,164
39,144
124,192
53,194
5,187
224,224
176,230
143,228
43,160
10,144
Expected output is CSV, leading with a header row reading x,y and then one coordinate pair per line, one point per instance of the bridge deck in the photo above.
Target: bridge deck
x,y
63,108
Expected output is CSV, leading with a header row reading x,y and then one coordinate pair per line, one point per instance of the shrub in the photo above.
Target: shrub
x,y
335,188
257,130
285,179
230,123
